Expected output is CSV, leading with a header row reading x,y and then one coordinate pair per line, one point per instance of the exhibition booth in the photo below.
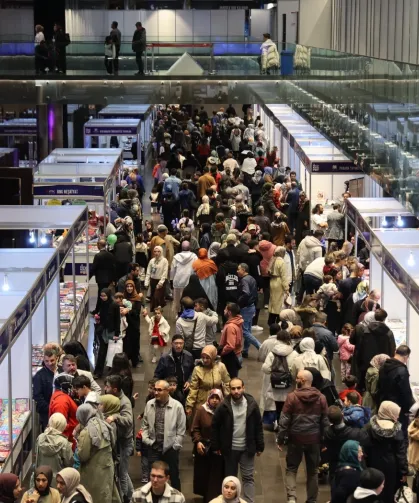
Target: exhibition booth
x,y
21,134
394,255
321,167
85,155
35,308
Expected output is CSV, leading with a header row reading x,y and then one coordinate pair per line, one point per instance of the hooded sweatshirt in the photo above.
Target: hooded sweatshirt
x,y
394,385
309,249
54,450
280,349
181,269
232,336
304,417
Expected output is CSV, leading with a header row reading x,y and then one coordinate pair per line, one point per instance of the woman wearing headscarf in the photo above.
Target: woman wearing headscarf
x,y
366,304
213,250
231,489
278,285
10,488
131,341
309,358
110,405
206,271
52,448
42,492
255,188
348,471
218,228
156,277
325,386
68,484
303,218
371,382
383,444
205,240
108,327
291,317
209,373
204,210
95,444
208,467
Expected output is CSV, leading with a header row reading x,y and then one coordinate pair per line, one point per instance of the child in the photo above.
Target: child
x,y
175,393
110,54
328,291
159,331
328,264
354,414
350,381
346,350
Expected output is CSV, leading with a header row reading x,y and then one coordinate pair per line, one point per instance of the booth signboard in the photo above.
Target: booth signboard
x,y
37,292
396,272
4,340
109,131
19,319
80,268
78,226
26,130
65,247
52,268
68,190
350,211
335,167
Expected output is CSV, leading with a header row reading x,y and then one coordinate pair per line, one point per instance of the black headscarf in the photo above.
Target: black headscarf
x,y
318,379
104,306
47,471
8,483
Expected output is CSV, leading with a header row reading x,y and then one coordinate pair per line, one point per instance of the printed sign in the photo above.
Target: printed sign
x,y
114,130
18,131
335,167
51,270
19,320
68,190
81,269
395,272
37,292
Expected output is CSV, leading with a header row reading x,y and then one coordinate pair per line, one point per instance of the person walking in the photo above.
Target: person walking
x,y
231,340
95,443
60,43
371,382
180,273
237,435
209,373
303,419
156,277
279,285
42,383
53,448
208,467
116,38
370,488
139,42
247,296
269,60
348,471
103,269
164,425
158,489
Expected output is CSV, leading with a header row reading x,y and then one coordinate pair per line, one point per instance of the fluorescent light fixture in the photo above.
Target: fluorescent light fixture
x,y
270,6
6,286
43,239
411,261
31,237
399,221
384,222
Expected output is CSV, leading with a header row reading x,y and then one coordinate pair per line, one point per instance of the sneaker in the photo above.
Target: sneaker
x,y
257,328
245,355
266,306
154,360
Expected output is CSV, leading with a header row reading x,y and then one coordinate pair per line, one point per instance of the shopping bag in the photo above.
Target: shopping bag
x,y
113,348
404,495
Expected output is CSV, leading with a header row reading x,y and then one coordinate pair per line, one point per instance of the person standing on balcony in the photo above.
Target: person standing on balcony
x,y
269,55
60,43
139,46
116,38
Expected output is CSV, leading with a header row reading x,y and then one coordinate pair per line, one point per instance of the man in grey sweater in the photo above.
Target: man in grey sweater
x,y
125,431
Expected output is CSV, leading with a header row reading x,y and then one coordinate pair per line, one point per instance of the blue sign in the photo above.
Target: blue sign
x,y
37,292
111,130
70,190
19,319
18,131
335,167
81,269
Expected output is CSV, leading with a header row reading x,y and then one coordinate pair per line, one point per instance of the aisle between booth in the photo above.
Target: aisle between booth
x,y
394,253
35,308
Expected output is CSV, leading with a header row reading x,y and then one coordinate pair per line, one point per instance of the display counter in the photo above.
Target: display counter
x,y
393,269
321,167
31,298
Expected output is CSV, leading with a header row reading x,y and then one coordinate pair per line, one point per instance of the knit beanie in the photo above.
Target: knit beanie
x,y
371,478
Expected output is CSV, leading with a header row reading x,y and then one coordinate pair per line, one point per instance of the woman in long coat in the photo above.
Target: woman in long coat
x,y
95,443
278,285
208,466
132,339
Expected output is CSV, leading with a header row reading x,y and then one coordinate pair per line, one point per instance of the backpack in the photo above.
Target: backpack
x,y
67,39
280,373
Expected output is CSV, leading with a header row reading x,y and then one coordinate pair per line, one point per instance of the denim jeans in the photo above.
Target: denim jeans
x,y
247,314
246,462
125,451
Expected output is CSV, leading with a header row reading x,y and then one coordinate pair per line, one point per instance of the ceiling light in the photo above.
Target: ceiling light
x,y
6,286
399,221
384,222
411,261
31,237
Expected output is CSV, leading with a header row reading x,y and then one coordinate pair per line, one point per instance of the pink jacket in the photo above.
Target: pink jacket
x,y
346,350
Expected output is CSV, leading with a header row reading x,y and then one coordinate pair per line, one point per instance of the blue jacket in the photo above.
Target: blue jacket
x,y
171,186
167,368
329,341
356,416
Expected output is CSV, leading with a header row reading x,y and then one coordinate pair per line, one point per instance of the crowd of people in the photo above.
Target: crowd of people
x,y
231,235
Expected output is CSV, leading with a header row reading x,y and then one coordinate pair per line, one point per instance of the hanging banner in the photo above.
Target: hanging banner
x,y
108,131
335,167
68,190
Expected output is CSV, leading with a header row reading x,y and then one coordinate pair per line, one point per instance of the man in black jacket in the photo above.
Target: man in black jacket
x,y
394,385
177,362
237,435
370,340
230,252
335,436
139,46
42,385
133,275
60,43
247,297
227,282
104,270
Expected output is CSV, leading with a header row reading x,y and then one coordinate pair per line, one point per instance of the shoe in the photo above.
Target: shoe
x,y
93,313
97,376
266,306
139,73
257,328
154,360
245,355
140,359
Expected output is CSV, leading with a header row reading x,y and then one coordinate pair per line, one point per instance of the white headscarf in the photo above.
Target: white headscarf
x,y
309,356
71,479
56,425
369,318
238,485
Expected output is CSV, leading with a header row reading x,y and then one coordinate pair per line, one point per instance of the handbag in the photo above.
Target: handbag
x,y
404,495
113,348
